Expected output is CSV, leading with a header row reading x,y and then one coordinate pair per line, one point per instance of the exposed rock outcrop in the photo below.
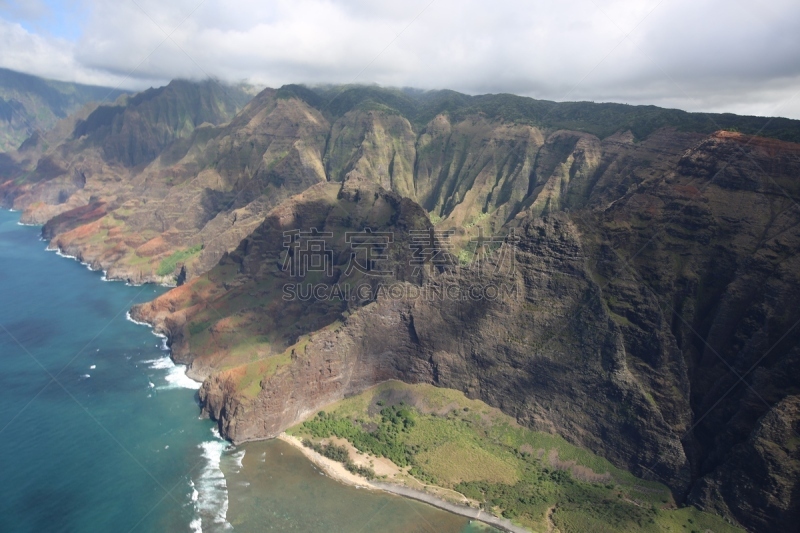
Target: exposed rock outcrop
x,y
633,315
650,315
577,383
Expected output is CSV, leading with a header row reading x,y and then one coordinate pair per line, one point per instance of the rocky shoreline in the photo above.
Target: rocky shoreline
x,y
339,473
638,361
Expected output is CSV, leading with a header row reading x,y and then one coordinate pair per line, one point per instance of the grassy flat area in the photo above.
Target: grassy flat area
x,y
538,480
168,264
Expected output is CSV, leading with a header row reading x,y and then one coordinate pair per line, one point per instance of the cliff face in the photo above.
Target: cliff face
x,y
137,131
547,352
175,216
648,314
712,247
768,458
259,316
649,277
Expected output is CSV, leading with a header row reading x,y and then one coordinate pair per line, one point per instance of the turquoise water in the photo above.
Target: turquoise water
x,y
99,431
273,487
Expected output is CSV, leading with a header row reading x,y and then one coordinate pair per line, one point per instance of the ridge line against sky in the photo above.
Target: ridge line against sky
x,y
724,56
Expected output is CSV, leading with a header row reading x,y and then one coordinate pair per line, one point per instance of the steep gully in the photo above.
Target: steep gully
x,y
650,315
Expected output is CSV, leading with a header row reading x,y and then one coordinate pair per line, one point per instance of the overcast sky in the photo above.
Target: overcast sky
x,y
716,55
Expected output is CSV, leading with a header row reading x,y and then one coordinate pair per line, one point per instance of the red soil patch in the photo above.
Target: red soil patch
x,y
115,232
154,246
86,213
770,146
85,231
687,190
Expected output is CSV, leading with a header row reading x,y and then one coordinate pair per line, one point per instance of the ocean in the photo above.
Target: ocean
x,y
100,431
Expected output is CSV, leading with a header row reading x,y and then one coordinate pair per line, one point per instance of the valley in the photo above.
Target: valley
x,y
642,266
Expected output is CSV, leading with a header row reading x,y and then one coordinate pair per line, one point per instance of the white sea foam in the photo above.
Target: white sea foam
x,y
158,334
176,377
238,457
129,318
176,374
60,253
92,367
161,363
210,490
209,494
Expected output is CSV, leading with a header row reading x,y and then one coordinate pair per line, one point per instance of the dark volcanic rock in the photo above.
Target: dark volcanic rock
x,y
546,352
650,315
633,320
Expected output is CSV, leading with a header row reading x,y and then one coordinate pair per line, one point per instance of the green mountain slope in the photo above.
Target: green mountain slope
x,y
29,104
648,316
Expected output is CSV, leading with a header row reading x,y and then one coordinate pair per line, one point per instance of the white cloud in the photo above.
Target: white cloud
x,y
28,9
710,55
55,58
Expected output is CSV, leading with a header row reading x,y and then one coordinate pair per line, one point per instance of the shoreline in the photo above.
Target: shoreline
x,y
337,471
208,501
332,468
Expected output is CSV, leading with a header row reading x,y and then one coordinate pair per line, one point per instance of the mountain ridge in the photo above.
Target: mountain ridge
x,y
30,104
658,262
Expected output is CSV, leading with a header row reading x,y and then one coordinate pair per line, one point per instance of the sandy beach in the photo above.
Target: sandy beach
x,y
338,472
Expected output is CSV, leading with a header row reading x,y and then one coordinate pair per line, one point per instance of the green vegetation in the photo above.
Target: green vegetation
x,y
37,104
250,382
445,439
168,264
195,328
476,220
383,441
340,454
601,119
434,218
